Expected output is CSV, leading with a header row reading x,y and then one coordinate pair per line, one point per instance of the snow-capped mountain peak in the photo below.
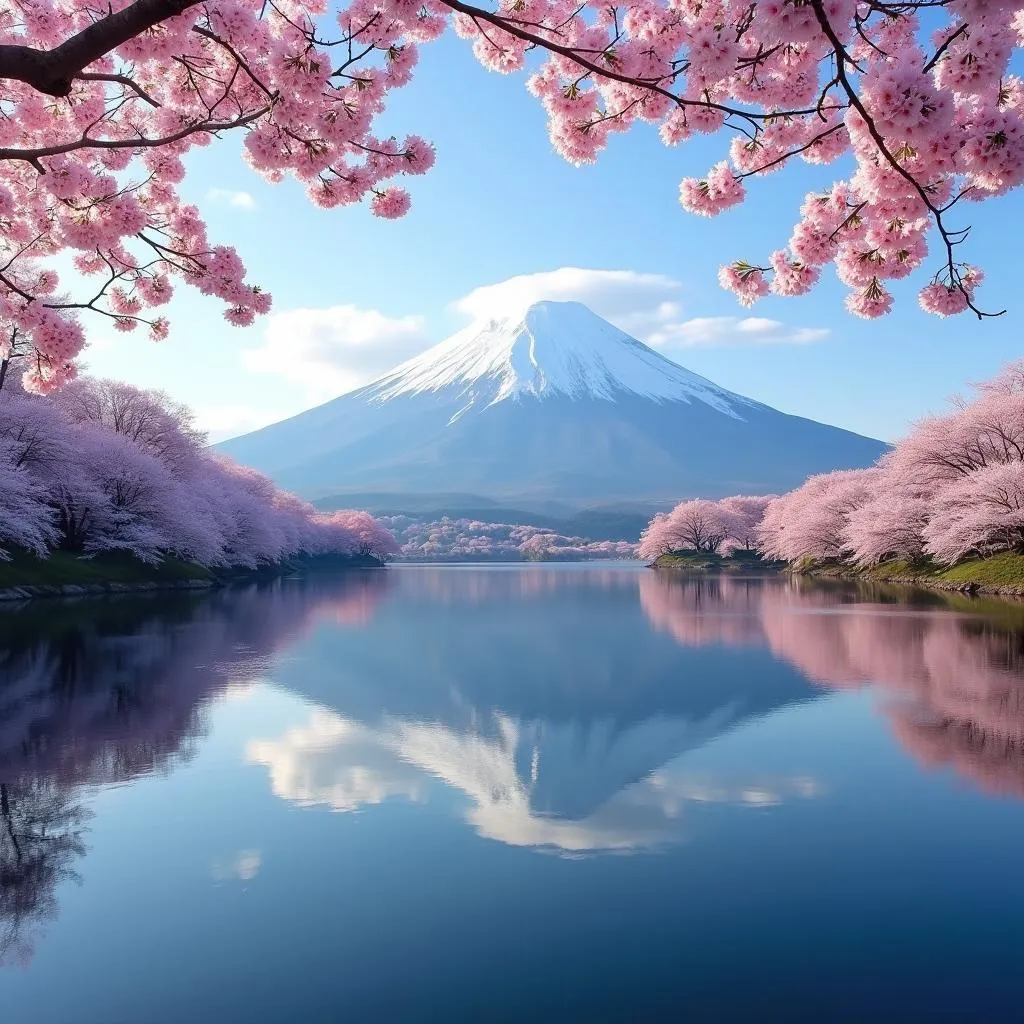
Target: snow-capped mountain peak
x,y
554,348
555,405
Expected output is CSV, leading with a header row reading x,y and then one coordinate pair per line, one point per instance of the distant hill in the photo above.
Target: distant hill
x,y
605,523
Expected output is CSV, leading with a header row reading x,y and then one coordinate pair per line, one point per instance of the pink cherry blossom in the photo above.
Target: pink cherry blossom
x,y
391,203
746,282
95,138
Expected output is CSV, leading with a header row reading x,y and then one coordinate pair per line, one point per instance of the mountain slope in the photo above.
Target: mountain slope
x,y
561,406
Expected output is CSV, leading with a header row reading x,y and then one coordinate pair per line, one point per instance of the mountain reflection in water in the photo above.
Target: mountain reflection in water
x,y
560,724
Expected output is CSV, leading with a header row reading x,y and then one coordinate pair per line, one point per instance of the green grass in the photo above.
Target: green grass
x,y
997,571
63,568
1003,571
708,561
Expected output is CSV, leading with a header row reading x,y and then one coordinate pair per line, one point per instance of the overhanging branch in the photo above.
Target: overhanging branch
x,y
53,71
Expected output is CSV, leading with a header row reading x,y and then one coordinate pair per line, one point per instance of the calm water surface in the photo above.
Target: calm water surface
x,y
549,793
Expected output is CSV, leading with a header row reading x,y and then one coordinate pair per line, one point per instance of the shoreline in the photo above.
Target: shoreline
x,y
998,576
195,578
924,580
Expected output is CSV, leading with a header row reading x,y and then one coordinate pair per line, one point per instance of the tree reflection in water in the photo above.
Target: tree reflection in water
x,y
956,681
105,691
41,829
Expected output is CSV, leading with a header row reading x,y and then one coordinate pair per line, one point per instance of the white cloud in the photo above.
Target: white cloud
x,y
221,421
330,351
722,331
617,295
646,306
240,200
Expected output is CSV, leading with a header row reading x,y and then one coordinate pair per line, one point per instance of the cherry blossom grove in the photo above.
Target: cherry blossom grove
x,y
460,539
107,467
101,102
952,488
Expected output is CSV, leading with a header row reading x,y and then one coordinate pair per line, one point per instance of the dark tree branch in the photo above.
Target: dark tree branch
x,y
210,127
53,71
93,76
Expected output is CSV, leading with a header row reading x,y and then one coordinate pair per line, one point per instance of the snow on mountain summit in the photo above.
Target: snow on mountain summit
x,y
555,348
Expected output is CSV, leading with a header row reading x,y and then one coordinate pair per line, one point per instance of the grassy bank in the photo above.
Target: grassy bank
x,y
709,561
116,572
1000,574
65,569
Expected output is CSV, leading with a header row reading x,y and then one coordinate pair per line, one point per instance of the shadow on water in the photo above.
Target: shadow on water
x,y
558,719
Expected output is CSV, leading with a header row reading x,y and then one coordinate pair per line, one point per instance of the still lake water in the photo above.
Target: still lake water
x,y
555,793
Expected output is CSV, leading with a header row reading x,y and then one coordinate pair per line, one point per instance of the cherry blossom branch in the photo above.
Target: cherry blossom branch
x,y
761,168
239,60
512,27
855,101
209,127
128,83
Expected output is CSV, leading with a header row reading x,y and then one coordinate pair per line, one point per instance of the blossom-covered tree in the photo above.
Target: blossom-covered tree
x,y
953,487
697,525
704,525
107,467
981,513
890,524
102,102
26,521
813,520
150,420
657,538
744,513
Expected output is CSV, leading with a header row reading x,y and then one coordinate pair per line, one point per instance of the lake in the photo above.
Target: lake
x,y
586,793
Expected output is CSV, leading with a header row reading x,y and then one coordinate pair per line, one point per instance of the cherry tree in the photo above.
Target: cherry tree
x,y
26,521
744,513
151,420
657,538
102,102
813,520
355,532
890,524
980,514
124,499
699,525
704,525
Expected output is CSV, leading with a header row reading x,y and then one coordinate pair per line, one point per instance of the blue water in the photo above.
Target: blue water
x,y
531,793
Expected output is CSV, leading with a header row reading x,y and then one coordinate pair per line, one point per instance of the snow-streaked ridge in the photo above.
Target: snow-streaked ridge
x,y
556,348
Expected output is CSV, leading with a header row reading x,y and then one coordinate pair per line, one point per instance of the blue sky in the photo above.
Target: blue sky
x,y
353,294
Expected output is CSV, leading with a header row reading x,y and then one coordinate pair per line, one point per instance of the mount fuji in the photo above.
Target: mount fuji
x,y
558,406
